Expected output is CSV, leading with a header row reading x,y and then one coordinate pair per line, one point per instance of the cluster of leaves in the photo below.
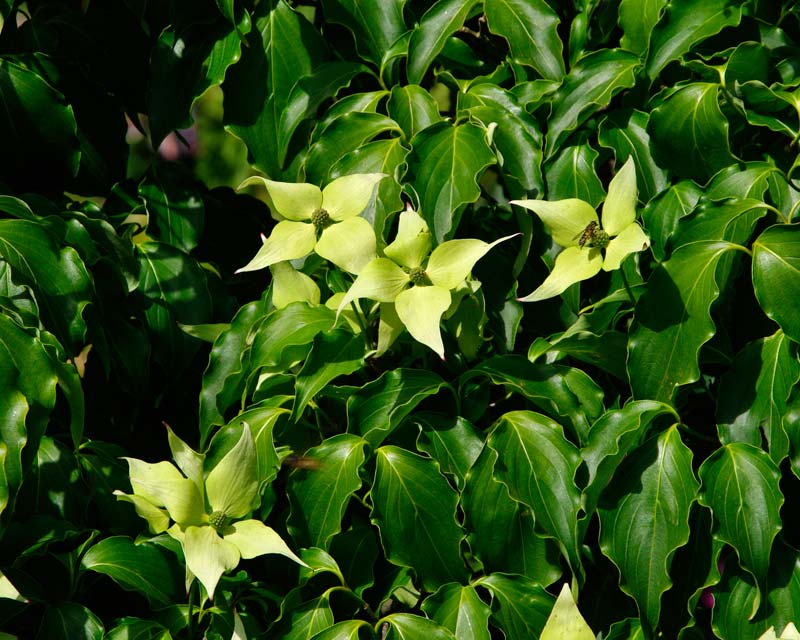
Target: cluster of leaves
x,y
635,434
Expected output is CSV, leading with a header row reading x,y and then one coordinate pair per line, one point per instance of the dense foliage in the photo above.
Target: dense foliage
x,y
396,407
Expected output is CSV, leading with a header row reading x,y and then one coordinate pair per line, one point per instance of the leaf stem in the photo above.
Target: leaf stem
x,y
361,323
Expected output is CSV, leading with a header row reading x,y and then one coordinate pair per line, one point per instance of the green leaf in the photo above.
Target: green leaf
x,y
571,174
70,621
406,626
662,214
517,136
345,630
644,518
776,275
413,108
134,629
54,272
754,392
446,162
303,620
333,354
258,87
538,465
501,530
733,220
174,287
683,25
531,29
563,392
736,596
175,212
589,86
319,496
309,93
415,510
450,440
690,132
740,486
611,439
625,131
143,567
637,19
38,129
459,609
380,406
375,24
520,607
673,320
443,19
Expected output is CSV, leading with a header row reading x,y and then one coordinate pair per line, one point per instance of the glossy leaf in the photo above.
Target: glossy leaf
x,y
459,609
571,174
319,495
406,626
143,567
662,214
754,393
176,213
375,24
637,19
673,321
733,220
70,620
531,31
520,607
776,275
333,354
690,132
345,630
381,406
685,24
589,86
414,508
538,465
447,162
644,518
413,108
740,486
452,441
429,37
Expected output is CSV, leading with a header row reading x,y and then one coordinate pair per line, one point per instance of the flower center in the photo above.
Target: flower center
x,y
599,240
218,520
320,219
417,275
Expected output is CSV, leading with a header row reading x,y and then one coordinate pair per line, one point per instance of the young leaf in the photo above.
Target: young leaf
x,y
414,508
644,518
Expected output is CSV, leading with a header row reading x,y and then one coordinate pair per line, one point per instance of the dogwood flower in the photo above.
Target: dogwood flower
x,y
206,513
574,225
321,220
416,282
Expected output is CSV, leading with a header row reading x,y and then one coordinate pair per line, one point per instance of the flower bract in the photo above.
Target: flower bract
x,y
322,220
574,224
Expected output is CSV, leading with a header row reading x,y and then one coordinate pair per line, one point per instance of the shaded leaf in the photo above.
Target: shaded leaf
x,y
776,275
520,607
637,19
459,609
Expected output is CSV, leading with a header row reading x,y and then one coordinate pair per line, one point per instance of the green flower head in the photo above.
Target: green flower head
x,y
574,225
204,511
322,220
415,284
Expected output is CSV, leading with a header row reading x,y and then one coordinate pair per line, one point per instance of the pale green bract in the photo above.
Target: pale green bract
x,y
567,220
565,621
206,514
321,220
414,284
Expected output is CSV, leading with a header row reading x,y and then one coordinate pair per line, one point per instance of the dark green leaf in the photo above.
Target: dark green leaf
x,y
450,440
740,486
753,394
302,620
345,630
776,276
733,220
459,609
376,24
447,162
684,24
644,518
443,19
690,132
69,621
136,629
662,214
379,407
531,29
571,174
673,320
320,495
176,212
589,86
520,607
406,626
637,19
538,465
143,567
415,510
413,108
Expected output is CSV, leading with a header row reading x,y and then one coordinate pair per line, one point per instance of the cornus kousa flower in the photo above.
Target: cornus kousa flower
x,y
574,225
321,220
206,509
414,283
